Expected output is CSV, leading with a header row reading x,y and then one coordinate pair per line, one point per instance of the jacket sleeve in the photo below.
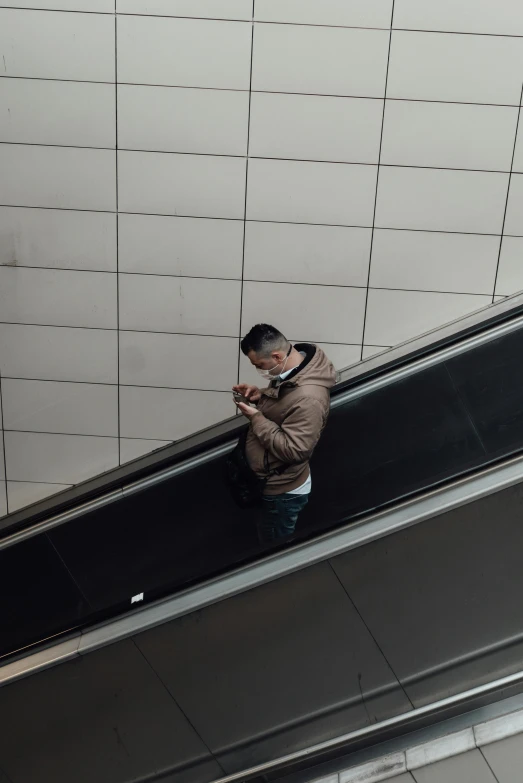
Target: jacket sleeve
x,y
295,440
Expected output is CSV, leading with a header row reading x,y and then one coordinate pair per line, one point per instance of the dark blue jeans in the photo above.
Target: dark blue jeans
x,y
279,514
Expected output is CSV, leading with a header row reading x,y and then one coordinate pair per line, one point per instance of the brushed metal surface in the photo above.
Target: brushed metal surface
x,y
104,718
444,601
267,671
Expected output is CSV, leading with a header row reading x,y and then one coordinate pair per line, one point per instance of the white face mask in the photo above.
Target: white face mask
x,y
269,374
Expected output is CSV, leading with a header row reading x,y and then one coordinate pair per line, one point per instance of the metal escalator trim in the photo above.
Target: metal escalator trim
x,y
37,662
164,475
464,659
337,542
104,500
429,361
330,544
375,730
467,323
207,456
48,524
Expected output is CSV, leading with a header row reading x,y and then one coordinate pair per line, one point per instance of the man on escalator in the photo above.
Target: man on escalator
x,y
285,424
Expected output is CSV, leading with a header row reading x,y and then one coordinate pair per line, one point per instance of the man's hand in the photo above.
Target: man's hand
x,y
252,393
247,410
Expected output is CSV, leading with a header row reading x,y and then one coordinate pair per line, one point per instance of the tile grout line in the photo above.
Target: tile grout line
x,y
46,483
178,705
235,156
372,636
246,187
508,195
264,92
117,227
249,280
377,183
488,763
274,22
179,334
3,444
82,435
250,220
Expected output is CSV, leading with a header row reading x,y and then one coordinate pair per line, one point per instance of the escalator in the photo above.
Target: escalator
x,y
402,588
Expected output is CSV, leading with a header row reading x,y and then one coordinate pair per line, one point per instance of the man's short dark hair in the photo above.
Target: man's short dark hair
x,y
263,339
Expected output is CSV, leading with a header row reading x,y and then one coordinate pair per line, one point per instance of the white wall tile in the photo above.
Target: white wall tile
x,y
58,298
62,459
350,13
311,127
373,350
98,6
57,238
510,273
191,185
518,152
305,312
58,353
441,200
192,247
247,373
74,408
132,448
304,192
55,45
35,111
62,177
514,216
170,413
2,464
210,9
447,135
341,356
320,60
175,119
181,305
25,493
325,255
459,263
184,52
396,316
504,17
469,68
3,499
178,361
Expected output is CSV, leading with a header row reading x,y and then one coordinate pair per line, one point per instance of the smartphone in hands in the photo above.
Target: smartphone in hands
x,y
240,398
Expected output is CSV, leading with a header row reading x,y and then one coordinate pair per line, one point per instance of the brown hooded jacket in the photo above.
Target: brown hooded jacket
x,y
293,415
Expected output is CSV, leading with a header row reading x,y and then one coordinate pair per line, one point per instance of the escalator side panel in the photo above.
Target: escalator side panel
x,y
378,448
280,667
187,529
259,673
157,540
389,444
490,382
442,590
38,595
105,717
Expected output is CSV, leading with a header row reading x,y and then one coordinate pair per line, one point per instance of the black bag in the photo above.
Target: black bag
x,y
246,487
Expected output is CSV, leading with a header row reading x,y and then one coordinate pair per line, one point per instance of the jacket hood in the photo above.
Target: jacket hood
x,y
315,370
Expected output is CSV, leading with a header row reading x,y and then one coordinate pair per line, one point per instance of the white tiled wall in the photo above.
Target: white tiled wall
x,y
173,171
